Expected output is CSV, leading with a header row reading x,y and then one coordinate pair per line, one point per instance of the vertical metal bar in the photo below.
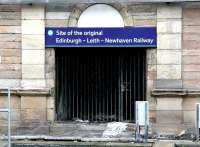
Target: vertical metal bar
x,y
9,119
126,91
109,89
96,90
122,88
119,89
77,87
130,89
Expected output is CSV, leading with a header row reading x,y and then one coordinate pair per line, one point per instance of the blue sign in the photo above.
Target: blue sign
x,y
101,37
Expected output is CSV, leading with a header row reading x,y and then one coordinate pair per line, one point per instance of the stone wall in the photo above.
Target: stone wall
x,y
10,45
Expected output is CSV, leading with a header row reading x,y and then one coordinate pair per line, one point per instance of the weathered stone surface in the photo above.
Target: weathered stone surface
x,y
189,117
169,12
10,15
151,75
10,8
162,144
33,42
30,56
169,57
9,74
151,56
15,115
36,83
33,71
191,75
191,52
190,36
191,67
169,26
169,116
190,16
50,115
15,102
28,102
0,59
168,84
169,41
168,71
9,83
191,84
37,27
189,103
32,12
10,22
191,44
151,67
33,114
169,104
56,23
10,45
191,60
57,15
11,60
144,22
191,29
10,52
51,102
10,37
50,83
10,29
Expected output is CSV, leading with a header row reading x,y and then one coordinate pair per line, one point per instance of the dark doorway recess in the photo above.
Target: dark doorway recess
x,y
99,84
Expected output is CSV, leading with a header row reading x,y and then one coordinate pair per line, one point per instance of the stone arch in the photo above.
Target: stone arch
x,y
79,9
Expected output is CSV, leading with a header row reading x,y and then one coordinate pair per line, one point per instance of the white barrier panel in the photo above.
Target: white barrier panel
x,y
142,113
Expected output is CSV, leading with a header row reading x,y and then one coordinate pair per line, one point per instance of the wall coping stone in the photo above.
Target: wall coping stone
x,y
174,93
27,92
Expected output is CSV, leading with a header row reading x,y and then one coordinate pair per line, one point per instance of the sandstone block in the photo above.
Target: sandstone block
x,y
189,117
10,29
169,26
36,83
10,8
11,60
10,15
191,67
33,57
56,23
191,60
32,12
10,37
191,84
37,27
50,115
33,114
169,104
33,71
168,71
33,102
33,42
169,57
169,41
166,12
15,102
189,103
9,83
57,15
169,116
191,75
10,22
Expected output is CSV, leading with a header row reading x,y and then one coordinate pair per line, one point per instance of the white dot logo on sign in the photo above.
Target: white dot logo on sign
x,y
50,32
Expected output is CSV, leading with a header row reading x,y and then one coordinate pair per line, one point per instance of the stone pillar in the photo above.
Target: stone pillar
x,y
169,51
33,47
169,30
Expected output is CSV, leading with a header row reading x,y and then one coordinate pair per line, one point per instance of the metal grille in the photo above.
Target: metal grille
x,y
100,85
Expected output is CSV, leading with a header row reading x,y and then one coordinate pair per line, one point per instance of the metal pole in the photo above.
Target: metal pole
x,y
9,119
197,122
146,127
